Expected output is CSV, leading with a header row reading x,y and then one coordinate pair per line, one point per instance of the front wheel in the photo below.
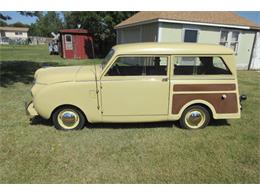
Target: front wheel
x,y
68,118
195,117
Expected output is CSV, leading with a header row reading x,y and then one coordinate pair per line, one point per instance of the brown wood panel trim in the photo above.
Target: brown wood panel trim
x,y
204,87
222,106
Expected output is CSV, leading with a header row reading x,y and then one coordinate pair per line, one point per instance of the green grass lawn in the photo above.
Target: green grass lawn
x,y
36,54
224,152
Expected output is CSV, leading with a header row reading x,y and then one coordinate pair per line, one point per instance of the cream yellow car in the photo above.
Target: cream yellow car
x,y
142,82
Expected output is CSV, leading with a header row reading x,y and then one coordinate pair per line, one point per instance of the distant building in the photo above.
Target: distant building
x,y
13,35
76,44
224,28
14,32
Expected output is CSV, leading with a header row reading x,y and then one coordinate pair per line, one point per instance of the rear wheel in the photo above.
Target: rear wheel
x,y
195,117
68,118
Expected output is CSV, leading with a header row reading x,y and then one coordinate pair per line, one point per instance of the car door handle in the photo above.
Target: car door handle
x,y
164,79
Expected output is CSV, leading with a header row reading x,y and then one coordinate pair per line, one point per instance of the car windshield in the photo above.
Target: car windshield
x,y
107,58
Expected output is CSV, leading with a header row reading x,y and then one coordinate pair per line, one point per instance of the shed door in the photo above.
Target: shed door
x,y
68,46
68,42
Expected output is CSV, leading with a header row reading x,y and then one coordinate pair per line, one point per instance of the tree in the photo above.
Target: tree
x,y
37,14
45,24
4,17
3,23
19,24
99,24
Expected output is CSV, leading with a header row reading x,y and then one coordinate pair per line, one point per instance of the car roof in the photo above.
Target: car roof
x,y
171,48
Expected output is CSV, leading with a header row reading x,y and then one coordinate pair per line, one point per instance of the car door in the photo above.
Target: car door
x,y
136,86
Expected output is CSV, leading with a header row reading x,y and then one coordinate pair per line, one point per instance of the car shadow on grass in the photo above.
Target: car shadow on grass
x,y
37,120
12,72
149,125
219,122
166,124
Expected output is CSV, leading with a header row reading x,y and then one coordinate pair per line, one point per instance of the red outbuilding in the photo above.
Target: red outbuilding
x,y
76,44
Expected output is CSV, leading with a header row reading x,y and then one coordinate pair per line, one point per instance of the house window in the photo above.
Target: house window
x,y
18,33
200,65
139,66
190,35
230,39
234,41
224,38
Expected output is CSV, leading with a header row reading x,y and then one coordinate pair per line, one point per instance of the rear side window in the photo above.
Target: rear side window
x,y
200,65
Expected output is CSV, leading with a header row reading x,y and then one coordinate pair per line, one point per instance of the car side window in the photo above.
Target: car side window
x,y
200,65
138,66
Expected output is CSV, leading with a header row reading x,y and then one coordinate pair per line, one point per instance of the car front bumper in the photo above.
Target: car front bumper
x,y
29,109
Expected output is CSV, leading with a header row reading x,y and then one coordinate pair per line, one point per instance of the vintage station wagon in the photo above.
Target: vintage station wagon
x,y
141,82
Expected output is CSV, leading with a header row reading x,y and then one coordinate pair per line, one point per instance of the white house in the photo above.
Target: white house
x,y
14,32
211,27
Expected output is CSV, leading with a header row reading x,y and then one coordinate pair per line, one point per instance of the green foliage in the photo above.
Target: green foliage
x,y
3,23
45,24
16,24
19,24
31,14
4,17
100,24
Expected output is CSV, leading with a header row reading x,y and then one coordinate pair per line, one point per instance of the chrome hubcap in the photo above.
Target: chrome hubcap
x,y
68,119
195,118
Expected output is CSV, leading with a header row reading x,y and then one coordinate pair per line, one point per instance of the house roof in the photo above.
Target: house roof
x,y
74,31
205,17
8,28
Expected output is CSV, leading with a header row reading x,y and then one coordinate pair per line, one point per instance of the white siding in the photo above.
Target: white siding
x,y
170,32
129,35
255,65
245,46
11,35
140,33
